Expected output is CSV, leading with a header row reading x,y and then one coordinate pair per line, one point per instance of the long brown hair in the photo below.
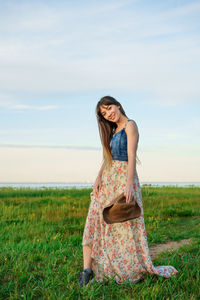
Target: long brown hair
x,y
106,128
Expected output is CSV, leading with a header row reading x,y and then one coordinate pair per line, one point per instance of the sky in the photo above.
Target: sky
x,y
58,58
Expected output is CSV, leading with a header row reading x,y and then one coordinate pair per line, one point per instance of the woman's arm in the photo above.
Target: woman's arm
x,y
97,183
132,143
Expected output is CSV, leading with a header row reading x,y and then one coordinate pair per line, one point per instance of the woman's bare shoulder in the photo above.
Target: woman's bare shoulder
x,y
132,125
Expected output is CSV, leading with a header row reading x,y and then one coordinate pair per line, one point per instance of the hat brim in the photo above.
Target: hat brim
x,y
120,211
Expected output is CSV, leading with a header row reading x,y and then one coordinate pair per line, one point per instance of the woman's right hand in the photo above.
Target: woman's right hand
x,y
97,186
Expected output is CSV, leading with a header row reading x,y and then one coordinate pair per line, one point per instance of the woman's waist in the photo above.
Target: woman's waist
x,y
121,157
118,167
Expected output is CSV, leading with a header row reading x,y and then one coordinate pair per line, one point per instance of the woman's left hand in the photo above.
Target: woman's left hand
x,y
129,191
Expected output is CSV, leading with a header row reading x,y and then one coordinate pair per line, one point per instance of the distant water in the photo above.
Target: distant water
x,y
81,185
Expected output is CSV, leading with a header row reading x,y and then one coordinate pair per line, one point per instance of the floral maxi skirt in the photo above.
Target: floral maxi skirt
x,y
120,250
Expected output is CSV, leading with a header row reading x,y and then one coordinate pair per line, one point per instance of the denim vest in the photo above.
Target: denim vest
x,y
119,145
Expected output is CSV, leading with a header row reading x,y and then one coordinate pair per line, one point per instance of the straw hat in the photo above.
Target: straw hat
x,y
120,211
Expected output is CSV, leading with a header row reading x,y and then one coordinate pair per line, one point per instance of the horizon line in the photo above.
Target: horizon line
x,y
91,182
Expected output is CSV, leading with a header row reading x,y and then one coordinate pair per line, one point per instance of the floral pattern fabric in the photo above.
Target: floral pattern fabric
x,y
120,250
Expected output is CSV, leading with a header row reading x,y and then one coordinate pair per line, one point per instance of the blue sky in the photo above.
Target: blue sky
x,y
58,58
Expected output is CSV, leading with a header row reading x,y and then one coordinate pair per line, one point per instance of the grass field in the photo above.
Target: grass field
x,y
41,252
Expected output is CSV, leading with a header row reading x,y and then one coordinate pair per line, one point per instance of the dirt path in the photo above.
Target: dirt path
x,y
158,248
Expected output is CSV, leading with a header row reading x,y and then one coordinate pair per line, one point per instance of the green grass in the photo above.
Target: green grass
x,y
41,252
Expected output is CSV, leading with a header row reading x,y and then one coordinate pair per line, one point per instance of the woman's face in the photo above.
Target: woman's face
x,y
110,112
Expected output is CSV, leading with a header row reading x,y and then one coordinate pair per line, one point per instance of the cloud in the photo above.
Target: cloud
x,y
7,101
84,48
29,107
5,145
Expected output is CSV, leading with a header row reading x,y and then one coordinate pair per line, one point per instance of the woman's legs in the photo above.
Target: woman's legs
x,y
87,257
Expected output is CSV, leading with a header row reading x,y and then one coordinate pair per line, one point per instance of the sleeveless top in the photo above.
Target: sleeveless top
x,y
119,145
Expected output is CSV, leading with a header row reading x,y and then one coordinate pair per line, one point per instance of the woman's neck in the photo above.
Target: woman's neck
x,y
122,120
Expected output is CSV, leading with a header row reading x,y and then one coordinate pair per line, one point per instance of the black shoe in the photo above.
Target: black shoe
x,y
85,277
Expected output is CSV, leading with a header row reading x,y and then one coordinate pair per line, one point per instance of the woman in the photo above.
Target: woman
x,y
120,250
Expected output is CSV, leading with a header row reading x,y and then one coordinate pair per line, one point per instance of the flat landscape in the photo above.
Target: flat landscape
x,y
41,252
